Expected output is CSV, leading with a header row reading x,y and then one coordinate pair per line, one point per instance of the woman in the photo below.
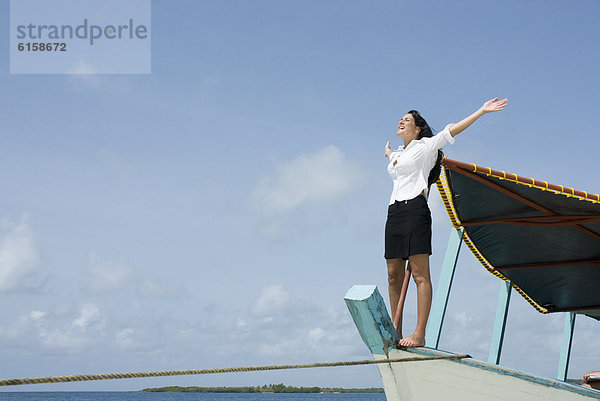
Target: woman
x,y
413,168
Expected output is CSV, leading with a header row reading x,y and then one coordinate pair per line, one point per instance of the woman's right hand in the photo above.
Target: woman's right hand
x,y
388,150
493,105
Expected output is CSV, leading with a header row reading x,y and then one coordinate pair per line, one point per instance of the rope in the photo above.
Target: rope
x,y
111,376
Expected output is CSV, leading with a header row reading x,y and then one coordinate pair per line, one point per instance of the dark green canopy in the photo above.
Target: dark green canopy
x,y
544,238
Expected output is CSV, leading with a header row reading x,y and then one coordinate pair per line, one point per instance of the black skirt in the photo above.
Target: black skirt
x,y
408,229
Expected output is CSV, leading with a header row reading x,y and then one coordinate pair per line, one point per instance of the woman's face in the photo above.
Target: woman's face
x,y
407,129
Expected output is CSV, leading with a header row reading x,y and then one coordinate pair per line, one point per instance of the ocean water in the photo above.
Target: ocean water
x,y
126,396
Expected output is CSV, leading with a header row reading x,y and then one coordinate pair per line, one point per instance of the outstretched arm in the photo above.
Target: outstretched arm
x,y
488,107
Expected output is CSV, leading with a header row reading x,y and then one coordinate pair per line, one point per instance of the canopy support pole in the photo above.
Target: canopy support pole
x,y
567,342
440,301
500,323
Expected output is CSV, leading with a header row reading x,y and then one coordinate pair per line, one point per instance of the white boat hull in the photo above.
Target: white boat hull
x,y
461,379
468,380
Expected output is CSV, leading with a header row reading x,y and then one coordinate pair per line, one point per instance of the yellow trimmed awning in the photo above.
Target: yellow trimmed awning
x,y
543,238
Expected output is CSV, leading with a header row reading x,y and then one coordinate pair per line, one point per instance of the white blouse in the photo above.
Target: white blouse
x,y
409,167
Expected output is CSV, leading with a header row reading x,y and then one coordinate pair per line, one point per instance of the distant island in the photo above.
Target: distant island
x,y
271,388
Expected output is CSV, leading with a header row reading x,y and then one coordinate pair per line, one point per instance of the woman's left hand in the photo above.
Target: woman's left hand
x,y
388,151
493,105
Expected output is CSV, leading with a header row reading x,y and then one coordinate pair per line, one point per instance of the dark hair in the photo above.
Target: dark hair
x,y
426,132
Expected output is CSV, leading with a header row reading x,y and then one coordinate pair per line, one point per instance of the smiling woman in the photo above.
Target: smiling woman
x,y
213,177
413,168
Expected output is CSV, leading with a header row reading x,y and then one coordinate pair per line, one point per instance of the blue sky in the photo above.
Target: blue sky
x,y
214,212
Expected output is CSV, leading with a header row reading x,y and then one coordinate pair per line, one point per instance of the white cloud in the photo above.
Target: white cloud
x,y
83,68
18,257
89,315
284,326
16,331
124,338
114,276
108,276
37,315
38,330
272,301
462,319
61,339
160,288
84,77
82,330
316,334
324,175
297,330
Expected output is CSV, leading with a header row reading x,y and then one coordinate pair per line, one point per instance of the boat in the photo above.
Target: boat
x,y
542,241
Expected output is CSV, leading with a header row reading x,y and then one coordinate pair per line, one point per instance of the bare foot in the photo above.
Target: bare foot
x,y
413,341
